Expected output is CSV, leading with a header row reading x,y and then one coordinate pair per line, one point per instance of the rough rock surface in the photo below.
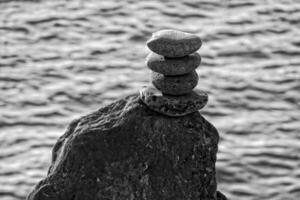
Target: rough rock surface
x,y
173,106
125,151
173,66
175,85
172,43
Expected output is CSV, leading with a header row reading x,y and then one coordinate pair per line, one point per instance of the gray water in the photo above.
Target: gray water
x,y
62,59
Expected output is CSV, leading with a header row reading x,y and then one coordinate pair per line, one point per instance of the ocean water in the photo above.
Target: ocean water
x,y
62,59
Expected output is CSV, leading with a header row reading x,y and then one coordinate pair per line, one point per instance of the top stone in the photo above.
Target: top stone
x,y
172,43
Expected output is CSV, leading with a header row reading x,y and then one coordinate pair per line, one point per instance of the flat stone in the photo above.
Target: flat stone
x,y
173,66
174,106
175,85
172,43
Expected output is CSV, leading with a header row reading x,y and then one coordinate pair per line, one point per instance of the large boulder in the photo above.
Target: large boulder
x,y
125,151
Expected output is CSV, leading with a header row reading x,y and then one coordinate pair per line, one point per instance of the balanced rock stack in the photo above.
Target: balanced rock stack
x,y
127,150
173,63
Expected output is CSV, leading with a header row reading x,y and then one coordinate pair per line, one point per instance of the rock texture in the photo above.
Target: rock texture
x,y
125,151
173,66
174,106
175,85
173,43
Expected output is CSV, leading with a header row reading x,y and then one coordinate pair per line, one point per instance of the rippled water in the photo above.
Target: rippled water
x,y
62,59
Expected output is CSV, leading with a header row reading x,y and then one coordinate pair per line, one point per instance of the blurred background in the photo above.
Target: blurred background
x,y
62,59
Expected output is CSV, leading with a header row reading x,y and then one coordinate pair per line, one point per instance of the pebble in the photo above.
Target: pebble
x,y
172,43
175,85
174,106
173,66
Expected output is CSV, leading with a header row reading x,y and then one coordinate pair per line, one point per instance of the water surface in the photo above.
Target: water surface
x,y
62,59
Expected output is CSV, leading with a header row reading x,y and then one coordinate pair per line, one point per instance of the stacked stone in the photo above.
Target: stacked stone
x,y
173,63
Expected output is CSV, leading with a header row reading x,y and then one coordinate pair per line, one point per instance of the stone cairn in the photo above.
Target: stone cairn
x,y
125,151
173,63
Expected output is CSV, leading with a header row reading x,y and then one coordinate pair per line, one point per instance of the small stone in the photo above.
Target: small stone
x,y
174,106
172,43
175,85
173,66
